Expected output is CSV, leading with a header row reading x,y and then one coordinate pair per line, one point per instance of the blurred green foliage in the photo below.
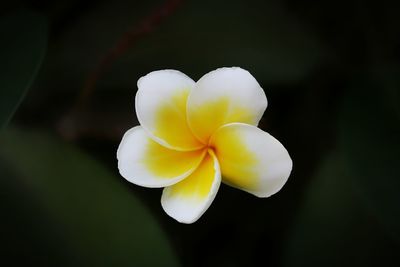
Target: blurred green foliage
x,y
330,71
369,131
333,227
23,45
96,220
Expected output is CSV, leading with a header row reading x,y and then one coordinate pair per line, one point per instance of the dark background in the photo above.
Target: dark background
x,y
331,73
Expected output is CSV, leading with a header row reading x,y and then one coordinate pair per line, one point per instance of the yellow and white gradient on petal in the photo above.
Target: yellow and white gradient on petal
x,y
222,96
161,109
187,200
251,159
144,162
193,135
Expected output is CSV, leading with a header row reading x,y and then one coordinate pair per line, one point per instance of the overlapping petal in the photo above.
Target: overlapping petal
x,y
187,200
223,96
193,135
161,109
144,162
251,159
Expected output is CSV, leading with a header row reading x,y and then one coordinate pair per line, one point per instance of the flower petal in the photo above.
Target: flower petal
x,y
144,162
222,96
187,200
251,159
161,109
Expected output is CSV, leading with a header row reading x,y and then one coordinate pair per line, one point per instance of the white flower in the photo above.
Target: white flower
x,y
195,135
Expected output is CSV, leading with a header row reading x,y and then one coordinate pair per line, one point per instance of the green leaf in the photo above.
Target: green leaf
x,y
95,218
23,45
333,228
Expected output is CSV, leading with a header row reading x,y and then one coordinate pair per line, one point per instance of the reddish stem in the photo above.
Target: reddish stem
x,y
146,26
70,126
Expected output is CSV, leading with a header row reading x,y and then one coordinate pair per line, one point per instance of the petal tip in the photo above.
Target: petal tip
x,y
185,202
161,72
281,181
179,215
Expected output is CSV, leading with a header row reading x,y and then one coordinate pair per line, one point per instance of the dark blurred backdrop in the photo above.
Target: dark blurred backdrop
x,y
331,73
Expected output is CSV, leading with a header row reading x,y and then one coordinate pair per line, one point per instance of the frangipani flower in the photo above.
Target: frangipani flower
x,y
195,135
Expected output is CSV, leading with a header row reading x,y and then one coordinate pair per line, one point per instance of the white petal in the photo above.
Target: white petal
x,y
223,96
144,162
251,159
187,200
161,109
